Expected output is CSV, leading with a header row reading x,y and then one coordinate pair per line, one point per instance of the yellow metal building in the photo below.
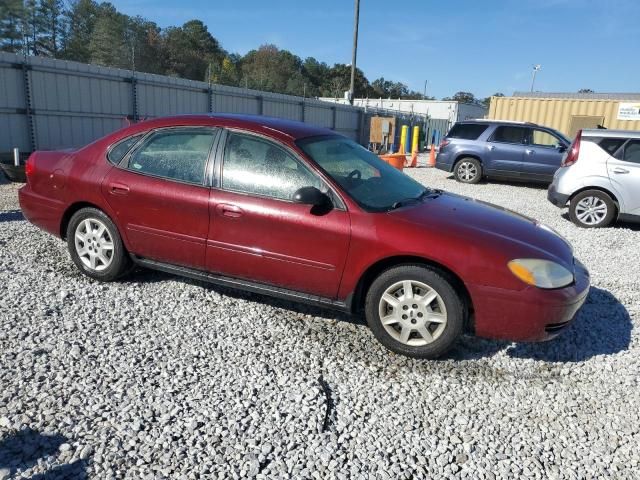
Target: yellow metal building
x,y
569,112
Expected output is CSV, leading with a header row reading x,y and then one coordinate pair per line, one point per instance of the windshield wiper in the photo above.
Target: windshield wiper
x,y
427,192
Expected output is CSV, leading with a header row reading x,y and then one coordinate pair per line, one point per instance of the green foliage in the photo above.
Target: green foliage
x,y
487,101
462,97
91,32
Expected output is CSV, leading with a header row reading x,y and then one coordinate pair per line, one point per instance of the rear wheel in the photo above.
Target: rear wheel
x,y
592,209
95,245
468,170
415,311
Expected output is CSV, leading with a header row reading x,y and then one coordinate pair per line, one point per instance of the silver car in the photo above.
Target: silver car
x,y
599,178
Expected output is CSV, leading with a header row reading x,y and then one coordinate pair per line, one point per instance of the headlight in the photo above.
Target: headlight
x,y
540,273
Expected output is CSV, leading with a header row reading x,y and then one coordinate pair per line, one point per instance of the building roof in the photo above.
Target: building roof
x,y
580,96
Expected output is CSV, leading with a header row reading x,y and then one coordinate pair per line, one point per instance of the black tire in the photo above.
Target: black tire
x,y
444,336
468,170
119,262
600,200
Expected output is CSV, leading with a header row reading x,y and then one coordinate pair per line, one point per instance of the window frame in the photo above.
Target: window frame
x,y
492,137
115,144
218,167
206,181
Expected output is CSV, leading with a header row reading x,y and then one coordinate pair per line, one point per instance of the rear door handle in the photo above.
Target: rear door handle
x,y
490,147
227,210
620,170
118,189
528,151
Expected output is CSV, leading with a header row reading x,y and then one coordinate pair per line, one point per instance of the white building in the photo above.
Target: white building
x,y
451,111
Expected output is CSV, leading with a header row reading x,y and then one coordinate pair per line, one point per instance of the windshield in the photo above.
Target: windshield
x,y
372,183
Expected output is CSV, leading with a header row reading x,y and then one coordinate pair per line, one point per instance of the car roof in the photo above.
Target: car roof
x,y
289,128
498,121
606,133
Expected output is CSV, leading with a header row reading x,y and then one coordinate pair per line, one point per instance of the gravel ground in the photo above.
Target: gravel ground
x,y
162,377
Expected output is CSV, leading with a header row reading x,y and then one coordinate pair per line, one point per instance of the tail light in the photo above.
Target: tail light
x,y
444,143
30,166
573,152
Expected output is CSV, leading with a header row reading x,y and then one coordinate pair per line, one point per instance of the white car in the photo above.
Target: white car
x,y
600,178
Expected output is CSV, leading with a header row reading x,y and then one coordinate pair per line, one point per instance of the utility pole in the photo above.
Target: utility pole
x,y
536,69
354,52
424,95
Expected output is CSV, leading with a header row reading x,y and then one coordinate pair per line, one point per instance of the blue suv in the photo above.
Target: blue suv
x,y
501,149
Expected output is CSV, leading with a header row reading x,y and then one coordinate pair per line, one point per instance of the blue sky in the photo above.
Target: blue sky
x,y
483,46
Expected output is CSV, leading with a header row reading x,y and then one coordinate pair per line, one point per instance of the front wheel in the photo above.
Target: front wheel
x,y
468,170
592,209
415,311
95,245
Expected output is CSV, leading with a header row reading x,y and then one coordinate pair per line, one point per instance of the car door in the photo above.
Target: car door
x,y
505,151
624,173
160,198
542,155
257,233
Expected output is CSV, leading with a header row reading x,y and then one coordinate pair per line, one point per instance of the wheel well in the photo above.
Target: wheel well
x,y
377,268
466,155
601,189
66,217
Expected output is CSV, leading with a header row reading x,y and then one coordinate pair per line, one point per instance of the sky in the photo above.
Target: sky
x,y
483,46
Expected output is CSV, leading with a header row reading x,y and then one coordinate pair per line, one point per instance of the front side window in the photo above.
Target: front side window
x,y
540,138
179,154
372,183
259,167
508,134
632,151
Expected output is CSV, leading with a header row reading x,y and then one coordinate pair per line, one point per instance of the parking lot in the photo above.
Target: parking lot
x,y
156,376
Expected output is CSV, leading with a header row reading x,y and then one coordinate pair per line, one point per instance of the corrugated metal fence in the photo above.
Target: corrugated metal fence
x,y
52,104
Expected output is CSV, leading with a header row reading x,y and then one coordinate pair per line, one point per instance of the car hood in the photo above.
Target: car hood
x,y
470,217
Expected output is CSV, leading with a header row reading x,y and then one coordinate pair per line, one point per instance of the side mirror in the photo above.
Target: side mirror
x,y
311,196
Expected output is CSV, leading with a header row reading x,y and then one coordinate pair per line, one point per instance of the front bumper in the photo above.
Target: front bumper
x,y
558,199
529,315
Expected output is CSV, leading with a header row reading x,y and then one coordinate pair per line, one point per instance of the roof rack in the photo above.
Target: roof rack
x,y
498,120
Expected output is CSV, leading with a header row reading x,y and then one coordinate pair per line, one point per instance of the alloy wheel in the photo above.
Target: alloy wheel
x,y
467,171
94,244
412,313
591,210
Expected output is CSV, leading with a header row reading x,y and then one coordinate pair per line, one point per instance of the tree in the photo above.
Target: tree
x,y
487,101
50,23
188,51
80,21
31,26
585,90
11,14
462,97
108,45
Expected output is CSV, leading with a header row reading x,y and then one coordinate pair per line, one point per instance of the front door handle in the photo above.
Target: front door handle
x,y
528,151
620,170
118,189
490,147
227,210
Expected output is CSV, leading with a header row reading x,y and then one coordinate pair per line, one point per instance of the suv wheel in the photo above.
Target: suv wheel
x,y
95,245
415,311
592,209
468,170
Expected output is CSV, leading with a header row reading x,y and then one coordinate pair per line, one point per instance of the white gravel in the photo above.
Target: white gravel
x,y
162,377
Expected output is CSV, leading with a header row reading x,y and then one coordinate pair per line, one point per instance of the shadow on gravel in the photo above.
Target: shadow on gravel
x,y
512,183
602,327
22,450
11,216
635,226
148,276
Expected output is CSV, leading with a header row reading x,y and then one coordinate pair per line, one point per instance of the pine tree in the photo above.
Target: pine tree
x,y
11,13
50,35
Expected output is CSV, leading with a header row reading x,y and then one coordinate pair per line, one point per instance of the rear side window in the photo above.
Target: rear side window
x,y
179,154
632,151
467,131
508,134
610,145
117,153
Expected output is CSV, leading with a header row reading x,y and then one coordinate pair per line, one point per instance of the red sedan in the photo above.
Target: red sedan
x,y
295,211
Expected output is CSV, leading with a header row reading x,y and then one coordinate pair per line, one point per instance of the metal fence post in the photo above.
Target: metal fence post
x,y
16,157
134,99
333,118
28,104
302,110
260,104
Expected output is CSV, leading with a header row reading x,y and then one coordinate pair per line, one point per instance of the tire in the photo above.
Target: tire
x,y
101,256
592,209
468,170
446,306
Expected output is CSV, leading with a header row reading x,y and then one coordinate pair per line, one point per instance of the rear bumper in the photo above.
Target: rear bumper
x,y
41,211
558,199
443,162
529,315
